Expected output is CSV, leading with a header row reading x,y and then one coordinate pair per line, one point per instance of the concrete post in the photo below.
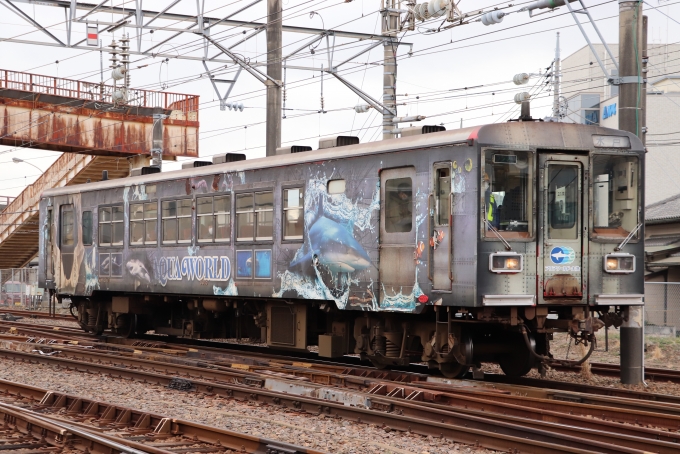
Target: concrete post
x,y
556,80
274,56
631,119
390,26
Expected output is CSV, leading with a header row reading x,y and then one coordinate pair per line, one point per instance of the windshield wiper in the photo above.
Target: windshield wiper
x,y
628,238
497,233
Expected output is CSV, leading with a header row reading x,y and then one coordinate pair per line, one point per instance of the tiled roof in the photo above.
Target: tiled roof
x,y
667,210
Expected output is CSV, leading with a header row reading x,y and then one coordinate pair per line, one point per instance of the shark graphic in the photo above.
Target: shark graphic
x,y
138,270
332,245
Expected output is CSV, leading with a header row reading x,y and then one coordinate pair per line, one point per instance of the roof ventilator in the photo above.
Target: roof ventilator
x,y
229,157
148,170
418,130
337,141
293,149
194,164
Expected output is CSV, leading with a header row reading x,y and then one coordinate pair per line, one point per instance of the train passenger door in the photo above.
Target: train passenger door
x,y
49,262
440,228
563,202
397,233
67,238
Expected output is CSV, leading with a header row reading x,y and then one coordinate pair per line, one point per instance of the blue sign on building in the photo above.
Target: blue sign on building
x,y
609,111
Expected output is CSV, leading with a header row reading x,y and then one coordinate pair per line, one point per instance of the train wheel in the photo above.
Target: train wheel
x,y
453,370
519,361
126,325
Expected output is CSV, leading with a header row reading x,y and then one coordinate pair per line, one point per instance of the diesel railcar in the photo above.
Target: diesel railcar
x,y
454,247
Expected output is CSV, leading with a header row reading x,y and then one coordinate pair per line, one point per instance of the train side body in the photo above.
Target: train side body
x,y
446,247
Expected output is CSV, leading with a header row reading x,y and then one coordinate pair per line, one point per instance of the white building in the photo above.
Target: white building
x,y
591,100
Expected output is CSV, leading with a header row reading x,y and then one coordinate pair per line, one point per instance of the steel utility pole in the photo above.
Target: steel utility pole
x,y
556,80
390,26
631,119
274,56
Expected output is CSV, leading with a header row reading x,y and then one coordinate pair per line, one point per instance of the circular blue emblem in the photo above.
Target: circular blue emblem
x,y
562,255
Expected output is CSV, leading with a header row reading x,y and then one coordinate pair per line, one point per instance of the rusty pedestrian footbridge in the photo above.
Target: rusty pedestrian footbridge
x,y
94,133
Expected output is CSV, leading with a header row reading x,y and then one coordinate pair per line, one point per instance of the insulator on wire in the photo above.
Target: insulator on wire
x,y
118,73
521,78
522,97
437,8
361,108
235,106
493,17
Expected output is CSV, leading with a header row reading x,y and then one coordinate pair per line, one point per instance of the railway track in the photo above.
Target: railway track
x,y
493,418
41,421
60,334
34,314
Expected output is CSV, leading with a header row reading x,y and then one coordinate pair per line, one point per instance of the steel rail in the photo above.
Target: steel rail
x,y
518,416
36,314
137,426
58,435
312,366
457,426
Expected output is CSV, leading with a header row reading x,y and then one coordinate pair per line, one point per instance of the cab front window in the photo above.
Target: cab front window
x,y
507,194
615,196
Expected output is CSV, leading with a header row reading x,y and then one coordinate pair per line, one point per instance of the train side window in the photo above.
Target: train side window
x,y
111,225
67,226
143,223
398,205
264,215
336,187
176,216
443,196
255,216
87,228
117,227
105,226
293,213
214,218
245,217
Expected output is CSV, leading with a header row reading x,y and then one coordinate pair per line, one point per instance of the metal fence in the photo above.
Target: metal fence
x,y
93,91
20,288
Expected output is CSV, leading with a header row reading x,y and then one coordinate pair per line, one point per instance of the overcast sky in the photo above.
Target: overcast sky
x,y
482,58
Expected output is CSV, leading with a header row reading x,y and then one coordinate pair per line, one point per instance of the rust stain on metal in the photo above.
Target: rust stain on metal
x,y
64,115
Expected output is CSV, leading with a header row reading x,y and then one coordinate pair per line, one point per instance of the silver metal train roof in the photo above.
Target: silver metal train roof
x,y
516,135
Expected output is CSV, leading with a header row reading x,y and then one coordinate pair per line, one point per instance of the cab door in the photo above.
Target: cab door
x,y
563,202
440,228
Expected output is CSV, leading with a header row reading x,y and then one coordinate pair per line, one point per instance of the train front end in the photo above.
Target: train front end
x,y
561,234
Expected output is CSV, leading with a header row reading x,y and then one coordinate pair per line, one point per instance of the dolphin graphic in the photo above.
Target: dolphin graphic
x,y
332,245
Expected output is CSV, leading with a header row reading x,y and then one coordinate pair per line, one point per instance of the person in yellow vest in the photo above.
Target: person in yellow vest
x,y
491,205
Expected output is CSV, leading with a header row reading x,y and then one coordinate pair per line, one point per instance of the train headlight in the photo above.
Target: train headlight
x,y
505,262
619,263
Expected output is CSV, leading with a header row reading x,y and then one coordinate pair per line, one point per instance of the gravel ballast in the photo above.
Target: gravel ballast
x,y
318,432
